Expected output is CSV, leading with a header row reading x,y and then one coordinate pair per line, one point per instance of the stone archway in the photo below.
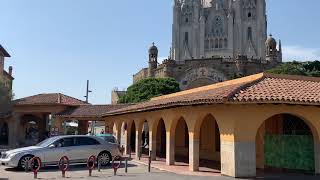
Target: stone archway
x,y
161,139
124,137
286,142
209,143
133,137
4,134
200,82
201,76
145,138
182,141
34,129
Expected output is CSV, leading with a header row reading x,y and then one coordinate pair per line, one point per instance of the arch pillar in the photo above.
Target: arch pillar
x,y
170,121
127,137
194,147
170,148
139,126
83,127
58,124
238,157
153,124
117,130
13,126
317,157
194,121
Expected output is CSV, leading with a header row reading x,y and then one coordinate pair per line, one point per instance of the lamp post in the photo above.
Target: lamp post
x,y
87,92
87,101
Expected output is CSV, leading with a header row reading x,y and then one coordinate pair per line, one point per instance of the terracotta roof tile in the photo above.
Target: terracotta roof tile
x,y
4,52
90,110
260,88
277,89
49,99
217,95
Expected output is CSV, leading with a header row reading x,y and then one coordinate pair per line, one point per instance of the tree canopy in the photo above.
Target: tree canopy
x,y
148,88
310,68
5,99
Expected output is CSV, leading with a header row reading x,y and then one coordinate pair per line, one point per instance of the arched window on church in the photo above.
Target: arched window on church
x,y
186,37
226,43
211,43
220,43
249,33
216,44
219,4
206,44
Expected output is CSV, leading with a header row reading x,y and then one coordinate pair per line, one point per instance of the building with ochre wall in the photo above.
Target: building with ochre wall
x,y
242,126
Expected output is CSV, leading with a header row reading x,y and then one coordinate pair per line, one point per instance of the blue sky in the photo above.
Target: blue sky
x,y
56,45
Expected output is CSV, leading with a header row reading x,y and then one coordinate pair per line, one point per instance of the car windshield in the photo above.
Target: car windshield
x,y
47,142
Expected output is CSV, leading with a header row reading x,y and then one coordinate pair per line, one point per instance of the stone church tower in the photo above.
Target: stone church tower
x,y
214,41
227,28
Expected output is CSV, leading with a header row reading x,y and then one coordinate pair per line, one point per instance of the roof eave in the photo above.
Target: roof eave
x,y
4,52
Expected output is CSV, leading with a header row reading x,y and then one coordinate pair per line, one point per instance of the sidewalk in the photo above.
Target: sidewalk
x,y
178,168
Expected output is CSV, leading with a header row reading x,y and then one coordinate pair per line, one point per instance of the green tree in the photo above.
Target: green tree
x,y
148,88
5,99
291,68
310,68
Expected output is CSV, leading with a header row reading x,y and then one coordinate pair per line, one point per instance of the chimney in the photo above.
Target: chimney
x,y
10,70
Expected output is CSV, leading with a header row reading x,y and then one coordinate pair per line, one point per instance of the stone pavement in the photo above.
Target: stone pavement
x,y
135,172
181,168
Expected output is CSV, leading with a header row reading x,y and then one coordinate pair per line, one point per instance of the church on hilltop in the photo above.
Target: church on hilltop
x,y
214,41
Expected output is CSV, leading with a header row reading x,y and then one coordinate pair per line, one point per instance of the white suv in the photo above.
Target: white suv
x,y
77,148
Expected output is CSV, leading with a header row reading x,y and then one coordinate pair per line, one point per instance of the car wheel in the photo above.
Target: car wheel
x,y
104,158
23,163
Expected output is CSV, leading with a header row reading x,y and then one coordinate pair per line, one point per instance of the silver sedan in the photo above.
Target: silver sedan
x,y
77,148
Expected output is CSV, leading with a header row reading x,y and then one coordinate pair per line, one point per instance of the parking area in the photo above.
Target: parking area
x,y
135,172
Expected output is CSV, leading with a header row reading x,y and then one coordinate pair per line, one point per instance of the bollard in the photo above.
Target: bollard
x,y
63,165
91,163
149,162
35,164
116,166
129,152
126,166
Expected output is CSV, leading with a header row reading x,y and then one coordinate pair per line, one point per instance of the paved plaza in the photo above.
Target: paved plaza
x,y
135,172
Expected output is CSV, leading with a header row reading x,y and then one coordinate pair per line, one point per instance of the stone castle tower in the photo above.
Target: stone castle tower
x,y
227,28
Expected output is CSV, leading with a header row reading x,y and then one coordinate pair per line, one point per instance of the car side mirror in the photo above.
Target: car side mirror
x,y
52,146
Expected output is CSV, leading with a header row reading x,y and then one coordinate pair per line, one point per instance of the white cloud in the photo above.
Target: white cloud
x,y
300,53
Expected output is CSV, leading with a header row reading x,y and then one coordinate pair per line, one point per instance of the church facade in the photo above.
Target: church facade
x,y
214,41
